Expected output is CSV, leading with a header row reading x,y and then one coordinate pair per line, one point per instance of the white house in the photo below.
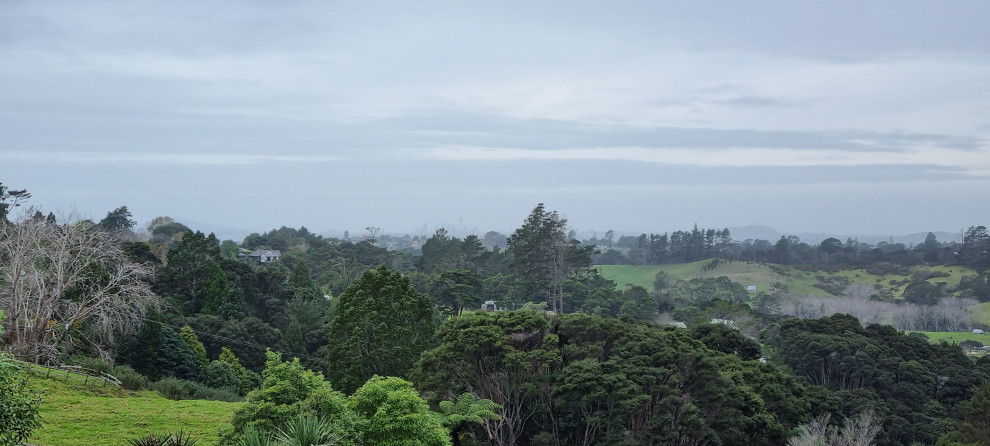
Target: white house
x,y
265,255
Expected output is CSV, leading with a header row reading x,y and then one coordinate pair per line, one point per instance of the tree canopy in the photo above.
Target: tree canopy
x,y
380,326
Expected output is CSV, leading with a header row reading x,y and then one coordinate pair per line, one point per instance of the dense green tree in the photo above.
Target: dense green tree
x,y
217,292
501,356
380,326
639,303
453,291
229,249
576,379
393,414
917,387
975,250
300,276
725,339
221,375
140,252
702,290
158,351
175,357
117,219
251,333
191,266
924,293
544,256
248,380
830,245
976,426
199,350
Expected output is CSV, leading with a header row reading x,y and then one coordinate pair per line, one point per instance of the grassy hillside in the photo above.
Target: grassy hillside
x,y
956,337
765,277
75,415
980,313
744,273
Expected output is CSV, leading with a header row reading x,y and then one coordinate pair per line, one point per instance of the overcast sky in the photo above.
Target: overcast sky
x,y
839,116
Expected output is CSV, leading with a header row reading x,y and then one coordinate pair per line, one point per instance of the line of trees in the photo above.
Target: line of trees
x,y
700,244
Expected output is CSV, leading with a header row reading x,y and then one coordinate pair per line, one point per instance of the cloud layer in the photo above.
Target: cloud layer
x,y
459,111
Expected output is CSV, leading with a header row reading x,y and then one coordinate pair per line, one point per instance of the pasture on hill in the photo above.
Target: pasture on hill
x,y
75,415
955,337
794,281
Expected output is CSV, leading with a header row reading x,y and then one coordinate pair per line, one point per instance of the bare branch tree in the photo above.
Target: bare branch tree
x,y
861,430
66,286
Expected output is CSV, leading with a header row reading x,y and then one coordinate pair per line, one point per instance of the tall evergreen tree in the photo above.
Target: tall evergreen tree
x,y
380,326
544,256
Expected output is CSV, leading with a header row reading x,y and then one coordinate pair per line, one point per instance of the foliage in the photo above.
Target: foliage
x,y
19,403
175,357
308,430
221,375
190,268
129,378
544,256
199,351
288,391
380,326
464,410
117,219
917,387
725,339
453,291
393,414
248,379
179,438
577,379
181,389
498,356
976,425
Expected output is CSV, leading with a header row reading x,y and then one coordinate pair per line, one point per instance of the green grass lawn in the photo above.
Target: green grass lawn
x,y
75,415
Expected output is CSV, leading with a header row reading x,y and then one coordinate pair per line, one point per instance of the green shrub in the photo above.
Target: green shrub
x,y
95,364
181,389
129,378
221,375
19,403
175,439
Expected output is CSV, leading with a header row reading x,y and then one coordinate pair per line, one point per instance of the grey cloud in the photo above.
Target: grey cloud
x,y
755,101
360,86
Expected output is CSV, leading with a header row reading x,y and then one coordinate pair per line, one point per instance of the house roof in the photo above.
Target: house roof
x,y
266,253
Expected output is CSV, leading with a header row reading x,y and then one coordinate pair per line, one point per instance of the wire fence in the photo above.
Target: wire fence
x,y
71,373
